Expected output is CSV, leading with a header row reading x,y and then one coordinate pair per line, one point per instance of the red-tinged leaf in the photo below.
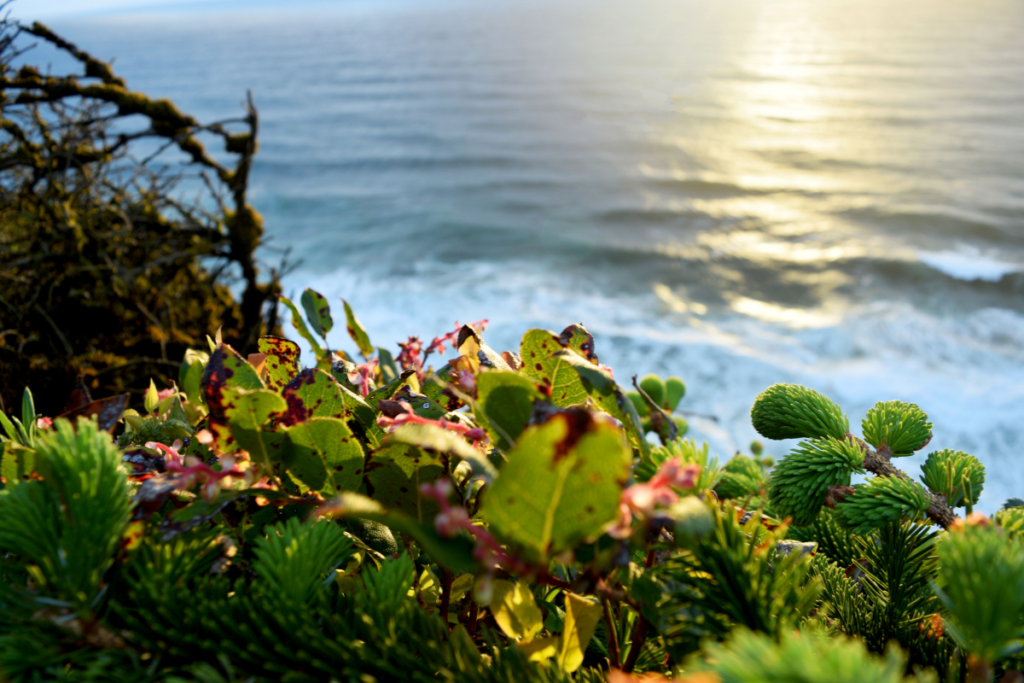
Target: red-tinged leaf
x,y
318,312
282,361
107,411
226,370
79,397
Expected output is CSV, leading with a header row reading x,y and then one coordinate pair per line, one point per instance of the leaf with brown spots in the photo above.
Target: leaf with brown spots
x,y
561,484
541,363
246,413
577,338
395,473
434,438
18,463
323,455
224,371
318,312
282,360
313,393
600,386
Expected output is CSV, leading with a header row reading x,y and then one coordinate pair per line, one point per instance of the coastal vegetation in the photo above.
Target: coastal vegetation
x,y
435,510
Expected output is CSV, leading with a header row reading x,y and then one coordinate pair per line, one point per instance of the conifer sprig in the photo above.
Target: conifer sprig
x,y
790,411
802,479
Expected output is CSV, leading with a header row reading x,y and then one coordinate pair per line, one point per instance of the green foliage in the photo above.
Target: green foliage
x,y
67,526
811,656
789,411
981,585
688,452
882,500
293,559
945,472
730,577
802,479
741,477
901,427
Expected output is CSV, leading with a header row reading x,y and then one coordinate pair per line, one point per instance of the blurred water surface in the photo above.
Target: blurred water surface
x,y
740,192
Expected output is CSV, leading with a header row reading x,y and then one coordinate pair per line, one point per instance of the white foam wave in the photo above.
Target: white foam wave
x,y
968,264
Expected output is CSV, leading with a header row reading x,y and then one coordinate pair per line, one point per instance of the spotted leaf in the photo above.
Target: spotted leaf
x,y
282,360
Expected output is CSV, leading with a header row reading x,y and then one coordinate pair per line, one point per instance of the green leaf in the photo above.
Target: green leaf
x,y
225,370
434,438
12,433
324,455
581,617
357,332
191,376
506,401
561,484
282,360
435,389
395,473
202,510
300,326
246,412
318,312
388,368
454,553
152,397
515,610
540,363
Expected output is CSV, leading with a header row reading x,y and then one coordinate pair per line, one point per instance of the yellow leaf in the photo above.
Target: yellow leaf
x,y
581,617
540,649
461,586
429,587
516,611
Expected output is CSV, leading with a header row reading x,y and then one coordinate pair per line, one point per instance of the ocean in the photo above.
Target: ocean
x,y
738,193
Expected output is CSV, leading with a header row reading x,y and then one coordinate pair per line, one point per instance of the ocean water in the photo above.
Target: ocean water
x,y
739,193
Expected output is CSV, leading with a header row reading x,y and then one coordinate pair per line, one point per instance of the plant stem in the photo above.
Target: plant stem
x,y
613,638
446,592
